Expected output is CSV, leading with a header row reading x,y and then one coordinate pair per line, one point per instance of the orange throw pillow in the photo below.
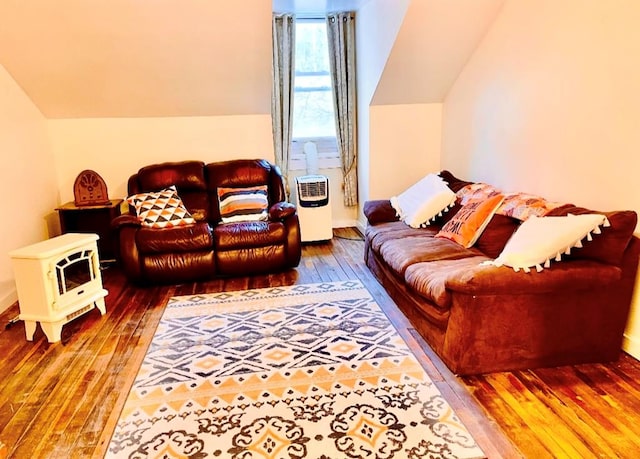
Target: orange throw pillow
x,y
470,221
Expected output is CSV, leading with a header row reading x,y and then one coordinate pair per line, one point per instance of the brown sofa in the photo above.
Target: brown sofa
x,y
208,248
481,318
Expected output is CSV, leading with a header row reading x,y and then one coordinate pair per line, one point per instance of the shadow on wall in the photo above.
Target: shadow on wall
x,y
52,222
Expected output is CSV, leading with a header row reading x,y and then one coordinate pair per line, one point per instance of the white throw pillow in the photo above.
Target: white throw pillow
x,y
423,201
540,239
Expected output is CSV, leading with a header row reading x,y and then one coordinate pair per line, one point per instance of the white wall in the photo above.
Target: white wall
x,y
27,179
550,103
435,41
404,146
117,147
377,24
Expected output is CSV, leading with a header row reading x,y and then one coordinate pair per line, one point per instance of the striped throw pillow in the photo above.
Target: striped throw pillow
x,y
243,204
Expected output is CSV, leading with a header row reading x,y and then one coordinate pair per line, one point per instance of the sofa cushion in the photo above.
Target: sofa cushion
x,y
496,234
245,235
401,253
379,211
178,239
429,279
609,246
184,175
453,182
383,232
470,221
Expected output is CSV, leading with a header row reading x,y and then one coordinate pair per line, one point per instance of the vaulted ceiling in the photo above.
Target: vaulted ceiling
x,y
130,58
161,58
436,39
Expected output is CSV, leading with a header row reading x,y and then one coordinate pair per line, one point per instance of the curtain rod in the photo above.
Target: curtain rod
x,y
308,15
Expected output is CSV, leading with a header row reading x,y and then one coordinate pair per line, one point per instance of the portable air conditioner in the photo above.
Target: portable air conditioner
x,y
314,211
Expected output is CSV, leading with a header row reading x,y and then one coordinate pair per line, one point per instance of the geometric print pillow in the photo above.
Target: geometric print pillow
x,y
476,192
161,209
243,204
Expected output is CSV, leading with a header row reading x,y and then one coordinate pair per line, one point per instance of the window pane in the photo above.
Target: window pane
x,y
312,49
312,104
313,114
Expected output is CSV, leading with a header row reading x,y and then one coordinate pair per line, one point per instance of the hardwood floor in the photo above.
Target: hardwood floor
x,y
62,400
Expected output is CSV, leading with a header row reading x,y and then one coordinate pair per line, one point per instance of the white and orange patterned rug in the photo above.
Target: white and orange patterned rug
x,y
307,371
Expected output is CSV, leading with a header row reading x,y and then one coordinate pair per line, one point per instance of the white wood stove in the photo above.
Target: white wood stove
x,y
58,280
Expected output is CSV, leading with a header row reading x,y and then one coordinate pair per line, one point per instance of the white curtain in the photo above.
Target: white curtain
x,y
283,44
342,57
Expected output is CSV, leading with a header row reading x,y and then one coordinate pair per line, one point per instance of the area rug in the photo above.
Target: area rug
x,y
306,371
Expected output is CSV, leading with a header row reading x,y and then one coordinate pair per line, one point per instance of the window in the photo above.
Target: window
x,y
313,113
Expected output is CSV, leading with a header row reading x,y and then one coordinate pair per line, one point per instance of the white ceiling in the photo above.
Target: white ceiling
x,y
316,6
164,58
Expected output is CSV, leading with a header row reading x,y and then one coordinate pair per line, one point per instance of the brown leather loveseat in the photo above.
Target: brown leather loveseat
x,y
208,247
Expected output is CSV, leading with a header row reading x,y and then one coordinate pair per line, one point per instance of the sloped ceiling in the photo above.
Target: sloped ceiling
x,y
316,6
436,39
139,58
169,58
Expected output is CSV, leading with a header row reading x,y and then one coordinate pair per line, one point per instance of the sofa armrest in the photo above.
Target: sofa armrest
x,y
563,276
281,211
286,213
125,220
379,211
127,226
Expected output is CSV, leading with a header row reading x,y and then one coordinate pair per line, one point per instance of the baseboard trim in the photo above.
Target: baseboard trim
x,y
631,345
343,223
8,300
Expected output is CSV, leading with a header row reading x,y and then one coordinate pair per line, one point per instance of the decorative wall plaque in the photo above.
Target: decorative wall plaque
x,y
89,189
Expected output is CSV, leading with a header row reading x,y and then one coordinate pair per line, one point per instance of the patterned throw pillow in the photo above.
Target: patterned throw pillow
x,y
522,206
470,221
243,204
161,209
476,192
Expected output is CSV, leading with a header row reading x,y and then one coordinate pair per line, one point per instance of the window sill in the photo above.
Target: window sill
x,y
299,163
328,156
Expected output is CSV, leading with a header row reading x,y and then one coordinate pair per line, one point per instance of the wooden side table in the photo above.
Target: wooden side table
x,y
92,219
